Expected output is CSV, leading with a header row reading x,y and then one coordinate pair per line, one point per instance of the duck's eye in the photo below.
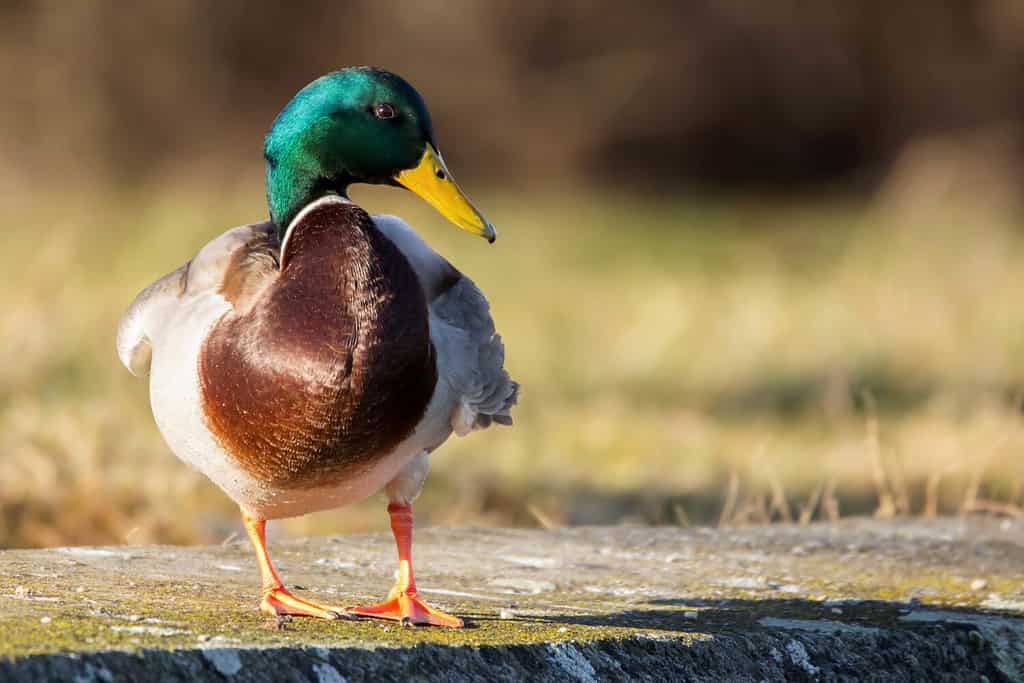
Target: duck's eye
x,y
384,111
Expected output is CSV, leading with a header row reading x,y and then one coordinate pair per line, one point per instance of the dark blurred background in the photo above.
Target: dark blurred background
x,y
759,261
734,93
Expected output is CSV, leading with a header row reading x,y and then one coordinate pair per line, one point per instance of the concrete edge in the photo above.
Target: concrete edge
x,y
931,650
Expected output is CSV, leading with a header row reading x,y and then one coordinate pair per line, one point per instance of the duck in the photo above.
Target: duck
x,y
311,360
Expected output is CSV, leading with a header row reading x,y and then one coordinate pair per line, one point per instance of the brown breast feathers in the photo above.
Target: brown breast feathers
x,y
328,367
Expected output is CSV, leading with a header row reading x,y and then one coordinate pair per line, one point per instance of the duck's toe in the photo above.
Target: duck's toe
x,y
408,609
281,602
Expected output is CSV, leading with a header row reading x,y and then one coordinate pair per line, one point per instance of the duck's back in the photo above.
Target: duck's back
x,y
330,367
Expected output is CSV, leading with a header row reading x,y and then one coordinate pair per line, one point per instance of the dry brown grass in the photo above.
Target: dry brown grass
x,y
682,362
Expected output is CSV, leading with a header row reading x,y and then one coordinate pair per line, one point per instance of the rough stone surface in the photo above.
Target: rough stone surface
x,y
921,600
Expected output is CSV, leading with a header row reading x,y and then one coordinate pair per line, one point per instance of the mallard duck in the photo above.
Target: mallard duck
x,y
309,361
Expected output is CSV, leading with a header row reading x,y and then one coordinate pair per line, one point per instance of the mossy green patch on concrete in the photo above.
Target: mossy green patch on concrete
x,y
517,587
167,617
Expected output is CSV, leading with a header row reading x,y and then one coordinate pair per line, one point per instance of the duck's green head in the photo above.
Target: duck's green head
x,y
359,125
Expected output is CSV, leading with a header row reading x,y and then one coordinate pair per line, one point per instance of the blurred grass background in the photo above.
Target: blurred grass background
x,y
756,262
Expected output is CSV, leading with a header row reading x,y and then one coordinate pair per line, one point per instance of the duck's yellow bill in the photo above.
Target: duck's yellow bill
x,y
432,181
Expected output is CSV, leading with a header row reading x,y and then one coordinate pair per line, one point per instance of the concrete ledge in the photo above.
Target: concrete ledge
x,y
859,600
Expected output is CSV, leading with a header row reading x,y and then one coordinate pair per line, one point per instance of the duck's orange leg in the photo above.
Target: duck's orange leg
x,y
277,600
403,604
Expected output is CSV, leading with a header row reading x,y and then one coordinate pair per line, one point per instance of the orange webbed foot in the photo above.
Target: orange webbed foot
x,y
408,609
281,602
277,600
403,604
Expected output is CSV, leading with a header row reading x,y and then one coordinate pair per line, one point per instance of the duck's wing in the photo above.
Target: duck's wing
x,y
234,266
470,353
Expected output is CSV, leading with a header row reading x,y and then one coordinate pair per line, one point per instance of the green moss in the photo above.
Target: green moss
x,y
168,615
612,583
79,633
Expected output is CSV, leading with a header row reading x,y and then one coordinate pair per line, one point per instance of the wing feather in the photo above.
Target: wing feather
x,y
134,345
471,355
236,251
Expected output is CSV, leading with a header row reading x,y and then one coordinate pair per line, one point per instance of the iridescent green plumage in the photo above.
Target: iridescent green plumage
x,y
330,136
